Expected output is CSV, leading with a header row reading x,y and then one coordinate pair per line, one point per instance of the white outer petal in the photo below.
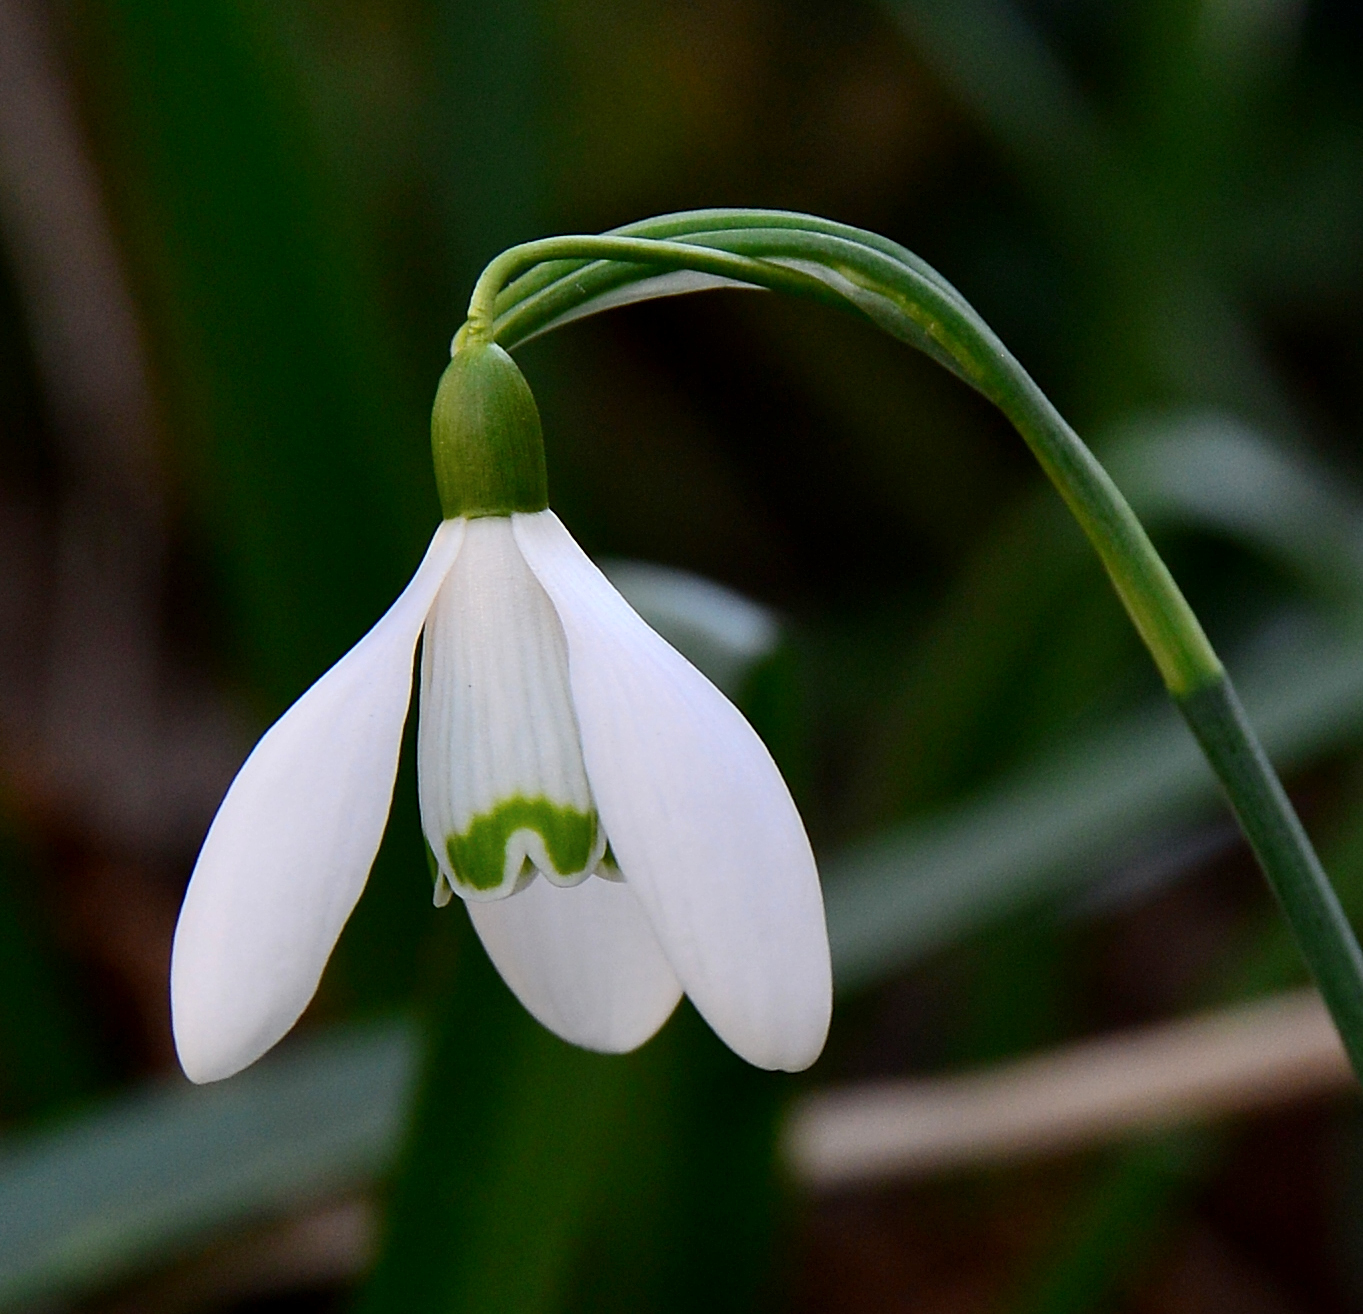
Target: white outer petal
x,y
584,961
697,814
291,847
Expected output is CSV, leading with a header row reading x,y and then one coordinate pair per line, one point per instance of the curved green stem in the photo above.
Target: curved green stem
x,y
647,252
532,288
912,303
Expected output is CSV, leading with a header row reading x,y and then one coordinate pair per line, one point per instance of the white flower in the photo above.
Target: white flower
x,y
618,830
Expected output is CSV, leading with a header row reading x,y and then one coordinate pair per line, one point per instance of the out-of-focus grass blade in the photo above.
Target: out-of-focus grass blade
x,y
1121,1217
1051,825
718,630
559,1179
86,1203
490,127
1015,84
493,1193
1054,825
1117,1219
306,458
1031,623
154,1174
1212,473
1160,327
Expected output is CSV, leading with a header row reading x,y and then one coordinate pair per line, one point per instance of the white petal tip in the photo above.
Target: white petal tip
x,y
202,1066
583,960
798,1057
218,1032
777,1039
208,1053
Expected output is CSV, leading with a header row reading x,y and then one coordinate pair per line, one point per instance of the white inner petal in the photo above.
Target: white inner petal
x,y
585,961
497,722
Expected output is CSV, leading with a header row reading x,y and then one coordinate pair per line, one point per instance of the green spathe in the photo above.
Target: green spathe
x,y
485,436
478,856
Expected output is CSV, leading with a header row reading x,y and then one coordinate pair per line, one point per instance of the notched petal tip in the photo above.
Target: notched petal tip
x,y
520,837
699,818
291,846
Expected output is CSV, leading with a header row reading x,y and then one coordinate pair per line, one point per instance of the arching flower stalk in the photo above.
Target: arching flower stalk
x,y
616,828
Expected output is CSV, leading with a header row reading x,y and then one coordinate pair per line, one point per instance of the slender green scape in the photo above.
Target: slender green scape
x,y
535,287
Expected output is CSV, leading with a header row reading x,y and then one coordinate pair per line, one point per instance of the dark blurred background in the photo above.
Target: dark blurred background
x,y
235,240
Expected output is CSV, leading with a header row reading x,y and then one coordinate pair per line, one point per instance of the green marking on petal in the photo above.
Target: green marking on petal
x,y
478,856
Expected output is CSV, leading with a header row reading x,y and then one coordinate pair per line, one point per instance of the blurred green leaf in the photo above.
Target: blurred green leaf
x,y
561,1179
1055,824
1155,330
716,629
88,1202
1211,474
1119,1218
491,1196
308,461
489,129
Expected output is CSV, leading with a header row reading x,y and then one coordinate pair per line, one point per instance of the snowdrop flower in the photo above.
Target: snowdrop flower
x,y
616,829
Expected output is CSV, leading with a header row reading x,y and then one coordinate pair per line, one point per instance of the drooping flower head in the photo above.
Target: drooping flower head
x,y
616,829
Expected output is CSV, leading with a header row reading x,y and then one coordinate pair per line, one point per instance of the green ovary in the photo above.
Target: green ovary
x,y
478,856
